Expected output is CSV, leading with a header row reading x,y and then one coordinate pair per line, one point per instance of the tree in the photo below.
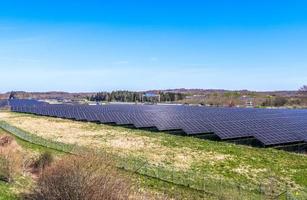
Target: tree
x,y
130,96
276,101
303,90
280,101
13,95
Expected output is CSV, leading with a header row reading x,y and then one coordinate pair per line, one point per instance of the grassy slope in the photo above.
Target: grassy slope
x,y
235,163
150,185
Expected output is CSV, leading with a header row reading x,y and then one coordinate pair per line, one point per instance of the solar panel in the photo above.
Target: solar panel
x,y
24,102
3,103
269,126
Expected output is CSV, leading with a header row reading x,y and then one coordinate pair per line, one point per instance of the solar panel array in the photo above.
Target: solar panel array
x,y
269,126
25,102
3,103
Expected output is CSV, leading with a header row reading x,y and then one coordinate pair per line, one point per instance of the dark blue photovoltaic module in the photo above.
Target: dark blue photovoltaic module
x,y
3,103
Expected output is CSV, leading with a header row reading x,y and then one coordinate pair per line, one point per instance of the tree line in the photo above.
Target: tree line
x,y
130,96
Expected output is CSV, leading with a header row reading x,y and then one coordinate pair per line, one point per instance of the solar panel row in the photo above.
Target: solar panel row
x,y
269,126
3,103
24,102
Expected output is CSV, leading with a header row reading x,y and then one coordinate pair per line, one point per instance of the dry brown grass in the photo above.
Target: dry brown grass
x,y
11,157
17,164
114,139
88,177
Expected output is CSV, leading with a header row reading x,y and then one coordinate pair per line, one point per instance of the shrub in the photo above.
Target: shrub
x,y
5,140
5,174
11,159
277,102
295,102
81,178
44,160
280,101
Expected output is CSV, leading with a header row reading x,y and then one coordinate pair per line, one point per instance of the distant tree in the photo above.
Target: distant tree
x,y
303,90
280,101
13,95
275,101
171,96
295,102
130,96
267,102
231,104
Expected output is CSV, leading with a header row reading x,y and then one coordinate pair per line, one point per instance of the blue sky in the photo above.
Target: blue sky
x,y
96,45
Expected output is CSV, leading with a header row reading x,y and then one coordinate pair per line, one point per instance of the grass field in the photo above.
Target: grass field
x,y
249,167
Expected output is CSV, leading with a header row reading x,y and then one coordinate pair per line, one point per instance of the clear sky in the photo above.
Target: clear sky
x,y
93,45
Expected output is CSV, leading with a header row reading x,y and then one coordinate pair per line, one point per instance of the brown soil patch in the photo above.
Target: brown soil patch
x,y
8,145
5,140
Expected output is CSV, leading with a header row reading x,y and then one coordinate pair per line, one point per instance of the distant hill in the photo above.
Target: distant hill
x,y
67,95
210,91
46,95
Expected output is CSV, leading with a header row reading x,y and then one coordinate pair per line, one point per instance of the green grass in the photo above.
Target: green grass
x,y
277,163
264,166
6,193
9,191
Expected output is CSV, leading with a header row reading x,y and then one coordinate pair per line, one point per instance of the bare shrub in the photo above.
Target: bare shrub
x,y
5,140
11,158
43,161
88,177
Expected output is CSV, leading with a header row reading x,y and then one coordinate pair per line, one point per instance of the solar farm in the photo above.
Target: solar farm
x,y
197,163
269,127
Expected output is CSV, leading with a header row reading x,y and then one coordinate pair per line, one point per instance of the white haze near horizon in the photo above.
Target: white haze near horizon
x,y
140,79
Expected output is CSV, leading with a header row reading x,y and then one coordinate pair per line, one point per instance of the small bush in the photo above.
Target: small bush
x,y
81,178
44,160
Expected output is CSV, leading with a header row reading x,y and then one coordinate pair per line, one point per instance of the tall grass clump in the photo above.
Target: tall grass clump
x,y
5,174
44,160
